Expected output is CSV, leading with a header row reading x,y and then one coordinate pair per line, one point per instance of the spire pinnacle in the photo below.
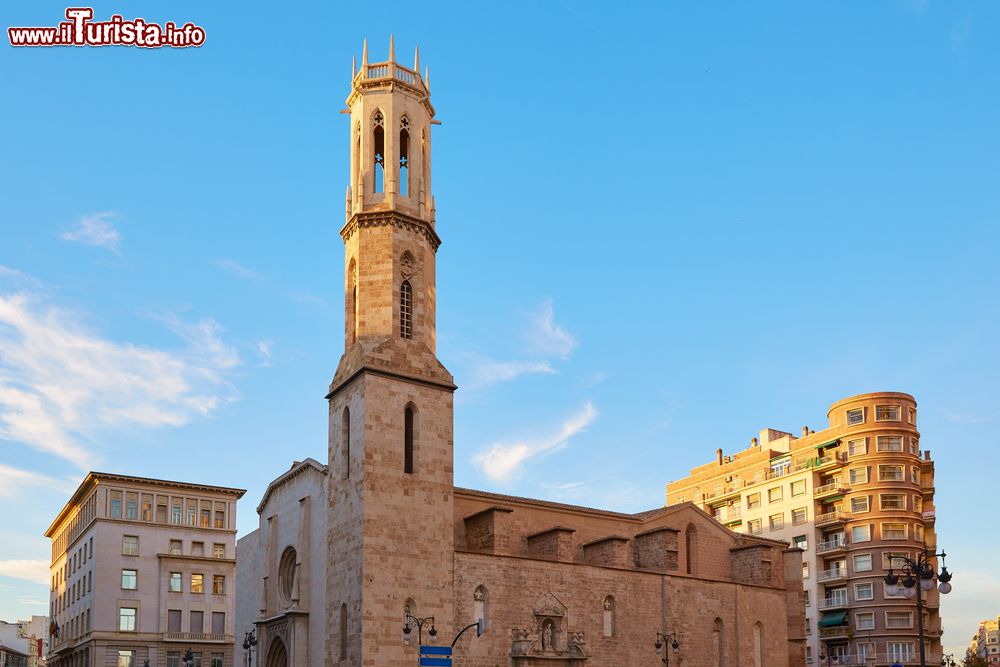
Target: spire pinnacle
x,y
354,66
364,54
392,49
427,78
416,60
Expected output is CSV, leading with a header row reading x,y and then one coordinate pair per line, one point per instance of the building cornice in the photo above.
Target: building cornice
x,y
391,219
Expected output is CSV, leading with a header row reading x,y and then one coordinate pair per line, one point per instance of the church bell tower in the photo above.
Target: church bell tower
x,y
390,519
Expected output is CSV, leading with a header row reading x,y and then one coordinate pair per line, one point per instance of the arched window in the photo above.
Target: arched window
x,y
609,616
690,548
408,440
718,644
758,645
404,156
286,576
379,152
345,438
480,601
406,310
343,632
351,317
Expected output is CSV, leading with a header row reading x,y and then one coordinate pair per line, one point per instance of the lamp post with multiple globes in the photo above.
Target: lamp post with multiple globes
x,y
664,643
916,576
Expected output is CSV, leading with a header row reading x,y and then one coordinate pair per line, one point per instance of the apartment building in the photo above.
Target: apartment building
x,y
848,495
986,642
143,570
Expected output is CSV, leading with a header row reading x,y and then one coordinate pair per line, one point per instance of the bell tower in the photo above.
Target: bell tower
x,y
390,516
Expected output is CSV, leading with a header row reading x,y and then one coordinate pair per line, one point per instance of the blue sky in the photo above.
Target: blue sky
x,y
665,227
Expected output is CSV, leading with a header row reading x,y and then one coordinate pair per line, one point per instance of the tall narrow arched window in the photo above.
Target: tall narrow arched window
x,y
690,548
343,632
758,645
718,644
408,439
379,152
404,156
345,443
609,617
405,310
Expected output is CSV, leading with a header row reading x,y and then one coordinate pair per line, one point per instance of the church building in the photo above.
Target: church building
x,y
361,559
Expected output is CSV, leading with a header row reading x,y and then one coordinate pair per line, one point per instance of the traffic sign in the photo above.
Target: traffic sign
x,y
427,659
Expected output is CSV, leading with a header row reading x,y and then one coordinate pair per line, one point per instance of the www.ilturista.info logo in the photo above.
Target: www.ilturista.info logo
x,y
81,30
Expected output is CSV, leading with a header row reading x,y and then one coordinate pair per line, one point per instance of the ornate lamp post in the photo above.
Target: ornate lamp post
x,y
949,661
916,576
420,623
664,643
249,643
188,658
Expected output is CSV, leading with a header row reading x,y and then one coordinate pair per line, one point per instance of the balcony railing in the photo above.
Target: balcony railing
x,y
196,637
834,601
727,514
832,574
831,517
837,542
838,631
833,487
727,490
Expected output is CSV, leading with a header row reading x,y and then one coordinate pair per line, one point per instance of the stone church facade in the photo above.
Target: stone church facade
x,y
347,551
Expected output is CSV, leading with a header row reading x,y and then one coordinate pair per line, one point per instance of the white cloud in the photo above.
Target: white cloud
x,y
29,570
546,336
96,230
487,372
501,461
14,482
264,348
32,602
965,417
236,269
61,385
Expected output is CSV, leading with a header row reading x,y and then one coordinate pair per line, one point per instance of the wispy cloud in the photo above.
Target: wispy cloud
x,y
487,372
547,337
61,385
30,570
14,482
264,349
32,602
502,460
96,229
965,417
236,269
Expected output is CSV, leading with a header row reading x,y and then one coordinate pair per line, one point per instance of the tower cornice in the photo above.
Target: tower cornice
x,y
390,219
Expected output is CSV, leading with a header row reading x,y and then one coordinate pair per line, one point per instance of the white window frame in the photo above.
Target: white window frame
x,y
914,474
909,617
781,521
770,494
914,446
122,617
889,443
867,538
871,562
750,501
867,507
860,619
884,468
857,447
851,422
805,516
861,479
890,409
882,501
882,530
135,579
802,484
858,596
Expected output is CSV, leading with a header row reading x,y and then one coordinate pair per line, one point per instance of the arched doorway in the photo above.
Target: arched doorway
x,y
277,656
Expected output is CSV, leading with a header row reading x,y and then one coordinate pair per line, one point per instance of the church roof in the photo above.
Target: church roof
x,y
297,468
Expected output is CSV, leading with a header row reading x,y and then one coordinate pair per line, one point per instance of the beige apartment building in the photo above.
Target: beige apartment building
x,y
848,495
986,642
143,570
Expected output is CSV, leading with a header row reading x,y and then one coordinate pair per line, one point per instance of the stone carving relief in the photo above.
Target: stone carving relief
x,y
547,639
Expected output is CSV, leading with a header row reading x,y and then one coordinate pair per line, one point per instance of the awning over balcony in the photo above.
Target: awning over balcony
x,y
827,443
832,619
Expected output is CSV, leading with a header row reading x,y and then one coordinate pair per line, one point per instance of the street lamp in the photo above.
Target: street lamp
x,y
915,577
668,642
249,643
419,622
188,658
949,661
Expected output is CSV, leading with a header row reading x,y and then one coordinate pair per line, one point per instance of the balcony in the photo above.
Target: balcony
x,y
836,516
195,637
834,460
731,514
833,488
835,632
723,491
837,542
836,574
833,602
